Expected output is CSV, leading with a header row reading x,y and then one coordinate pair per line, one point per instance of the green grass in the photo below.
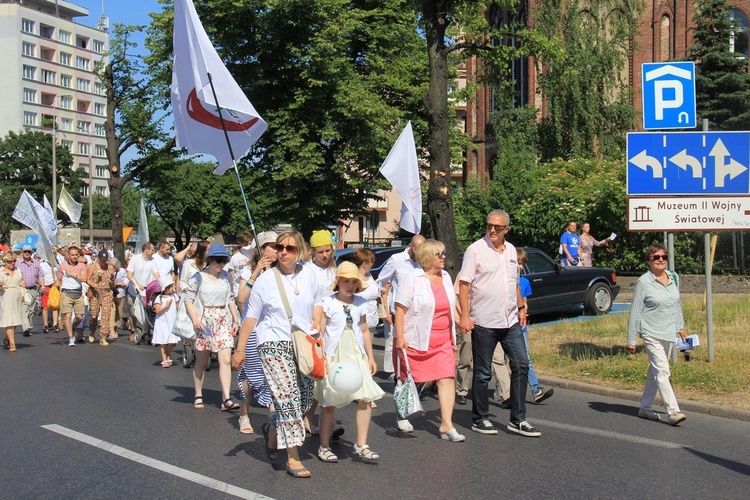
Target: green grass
x,y
594,351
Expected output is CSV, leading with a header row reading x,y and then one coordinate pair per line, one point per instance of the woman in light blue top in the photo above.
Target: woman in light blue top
x,y
656,315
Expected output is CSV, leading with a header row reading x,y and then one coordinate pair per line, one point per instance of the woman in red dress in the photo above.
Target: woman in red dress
x,y
424,330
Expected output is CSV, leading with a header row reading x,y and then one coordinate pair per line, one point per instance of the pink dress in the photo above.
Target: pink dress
x,y
439,361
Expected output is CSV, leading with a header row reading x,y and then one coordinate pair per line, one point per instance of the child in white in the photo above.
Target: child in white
x,y
342,318
165,307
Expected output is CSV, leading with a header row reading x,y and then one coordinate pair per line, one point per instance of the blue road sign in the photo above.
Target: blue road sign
x,y
688,163
668,91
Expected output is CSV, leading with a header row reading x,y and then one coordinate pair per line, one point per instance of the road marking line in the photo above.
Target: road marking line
x,y
610,434
156,464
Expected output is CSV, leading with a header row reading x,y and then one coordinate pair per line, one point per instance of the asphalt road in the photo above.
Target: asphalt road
x,y
95,422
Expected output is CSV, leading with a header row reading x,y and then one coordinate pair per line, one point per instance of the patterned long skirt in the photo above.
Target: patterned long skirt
x,y
101,299
292,394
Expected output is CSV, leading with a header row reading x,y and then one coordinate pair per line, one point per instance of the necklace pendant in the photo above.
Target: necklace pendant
x,y
296,292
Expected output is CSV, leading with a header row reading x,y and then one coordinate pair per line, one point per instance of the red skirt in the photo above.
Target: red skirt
x,y
438,362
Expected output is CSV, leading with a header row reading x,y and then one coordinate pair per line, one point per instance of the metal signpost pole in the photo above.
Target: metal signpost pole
x,y
709,298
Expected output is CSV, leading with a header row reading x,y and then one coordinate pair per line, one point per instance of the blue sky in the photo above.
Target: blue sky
x,y
119,11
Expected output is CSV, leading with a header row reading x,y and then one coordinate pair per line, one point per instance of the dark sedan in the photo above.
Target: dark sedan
x,y
382,254
568,289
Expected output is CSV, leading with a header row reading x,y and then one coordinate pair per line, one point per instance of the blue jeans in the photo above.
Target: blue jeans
x,y
483,344
533,381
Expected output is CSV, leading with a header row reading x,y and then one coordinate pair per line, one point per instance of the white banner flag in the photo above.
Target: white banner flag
x,y
401,168
143,236
198,126
67,204
48,208
34,216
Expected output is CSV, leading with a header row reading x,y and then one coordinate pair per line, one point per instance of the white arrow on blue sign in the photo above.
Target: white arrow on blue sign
x,y
688,163
668,91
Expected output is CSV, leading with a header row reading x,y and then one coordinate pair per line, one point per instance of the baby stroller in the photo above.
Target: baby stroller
x,y
145,314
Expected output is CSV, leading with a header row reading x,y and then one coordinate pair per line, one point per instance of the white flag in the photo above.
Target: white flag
x,y
142,237
196,115
48,208
67,204
402,171
33,215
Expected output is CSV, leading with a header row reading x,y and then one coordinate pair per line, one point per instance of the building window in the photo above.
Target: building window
x,y
29,95
27,26
49,76
83,85
665,39
100,171
67,145
100,151
65,58
98,88
82,63
29,72
99,130
101,190
85,187
98,46
84,148
66,124
83,126
29,49
46,31
64,36
66,102
99,109
66,81
82,42
29,118
48,54
738,43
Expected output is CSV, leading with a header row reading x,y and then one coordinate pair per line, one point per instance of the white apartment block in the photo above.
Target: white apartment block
x,y
49,60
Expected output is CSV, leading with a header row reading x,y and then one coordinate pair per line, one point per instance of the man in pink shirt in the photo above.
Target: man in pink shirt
x,y
70,278
492,311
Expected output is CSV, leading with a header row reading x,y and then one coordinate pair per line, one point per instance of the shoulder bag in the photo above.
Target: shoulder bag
x,y
307,349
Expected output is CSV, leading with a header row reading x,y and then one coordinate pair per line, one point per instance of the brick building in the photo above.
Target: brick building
x,y
664,33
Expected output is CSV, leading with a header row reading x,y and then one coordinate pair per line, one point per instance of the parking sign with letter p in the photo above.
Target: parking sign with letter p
x,y
669,95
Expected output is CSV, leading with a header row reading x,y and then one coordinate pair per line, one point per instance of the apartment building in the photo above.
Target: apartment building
x,y
48,60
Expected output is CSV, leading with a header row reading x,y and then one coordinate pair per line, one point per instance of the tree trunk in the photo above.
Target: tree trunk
x,y
116,181
439,119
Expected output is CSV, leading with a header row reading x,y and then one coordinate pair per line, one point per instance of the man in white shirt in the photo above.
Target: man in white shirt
x,y
241,258
395,269
492,311
163,261
141,270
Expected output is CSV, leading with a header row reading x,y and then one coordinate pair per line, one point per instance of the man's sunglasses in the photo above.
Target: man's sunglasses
x,y
289,248
496,227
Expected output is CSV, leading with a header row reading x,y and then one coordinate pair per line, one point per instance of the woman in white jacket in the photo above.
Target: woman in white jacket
x,y
425,330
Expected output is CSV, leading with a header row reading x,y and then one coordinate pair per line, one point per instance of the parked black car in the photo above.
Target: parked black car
x,y
382,254
567,289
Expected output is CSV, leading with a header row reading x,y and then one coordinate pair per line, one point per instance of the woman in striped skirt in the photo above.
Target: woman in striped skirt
x,y
291,392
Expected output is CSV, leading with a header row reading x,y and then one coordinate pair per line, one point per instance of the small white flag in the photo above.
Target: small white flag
x,y
143,236
198,127
67,204
401,168
33,215
48,208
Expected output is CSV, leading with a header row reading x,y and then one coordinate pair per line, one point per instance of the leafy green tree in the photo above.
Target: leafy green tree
x,y
26,163
722,80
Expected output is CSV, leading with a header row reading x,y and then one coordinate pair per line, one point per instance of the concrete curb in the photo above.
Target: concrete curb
x,y
685,404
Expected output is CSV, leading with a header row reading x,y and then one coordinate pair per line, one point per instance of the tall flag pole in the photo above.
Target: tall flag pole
x,y
201,122
401,168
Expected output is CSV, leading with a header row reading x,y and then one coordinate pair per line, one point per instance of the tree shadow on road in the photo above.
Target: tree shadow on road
x,y
723,462
613,408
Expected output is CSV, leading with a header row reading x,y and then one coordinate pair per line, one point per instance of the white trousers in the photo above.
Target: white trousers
x,y
658,352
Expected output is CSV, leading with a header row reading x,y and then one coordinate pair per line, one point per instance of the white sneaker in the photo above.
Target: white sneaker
x,y
404,426
676,417
71,342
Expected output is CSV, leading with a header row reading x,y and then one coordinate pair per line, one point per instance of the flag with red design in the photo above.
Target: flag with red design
x,y
198,126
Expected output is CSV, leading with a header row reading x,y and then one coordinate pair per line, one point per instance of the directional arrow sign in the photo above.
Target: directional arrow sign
x,y
688,163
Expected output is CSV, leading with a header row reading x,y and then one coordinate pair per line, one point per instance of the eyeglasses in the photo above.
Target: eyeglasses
x,y
27,251
289,248
660,257
10,261
496,227
440,255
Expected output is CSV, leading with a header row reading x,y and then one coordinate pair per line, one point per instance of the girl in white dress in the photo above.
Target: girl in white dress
x,y
165,307
342,318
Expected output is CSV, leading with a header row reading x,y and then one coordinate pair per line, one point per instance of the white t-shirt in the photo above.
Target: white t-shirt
x,y
266,307
325,277
237,264
395,270
143,272
163,265
336,322
371,294
49,279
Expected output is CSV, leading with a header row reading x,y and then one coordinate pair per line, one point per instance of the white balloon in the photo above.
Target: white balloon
x,y
345,377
